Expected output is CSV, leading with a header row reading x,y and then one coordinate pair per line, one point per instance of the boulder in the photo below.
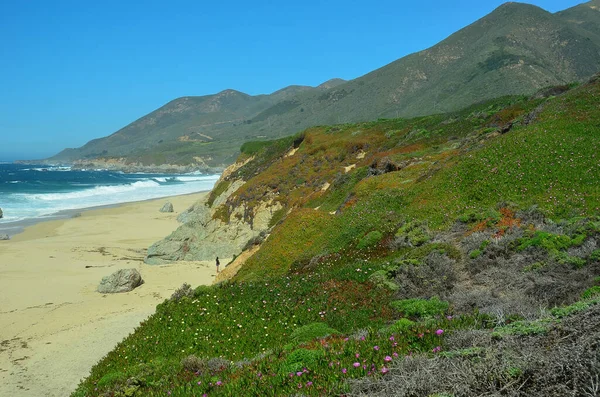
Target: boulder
x,y
168,207
4,237
1,214
123,280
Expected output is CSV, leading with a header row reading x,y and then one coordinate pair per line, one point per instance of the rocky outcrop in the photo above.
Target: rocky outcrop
x,y
205,235
203,238
4,237
123,280
1,214
168,207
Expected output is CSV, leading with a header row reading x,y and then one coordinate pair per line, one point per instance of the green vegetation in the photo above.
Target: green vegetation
x,y
421,308
392,235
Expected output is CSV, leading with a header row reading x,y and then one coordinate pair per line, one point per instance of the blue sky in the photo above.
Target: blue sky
x,y
72,71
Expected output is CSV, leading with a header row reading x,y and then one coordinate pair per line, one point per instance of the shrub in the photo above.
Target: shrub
x,y
217,364
381,280
591,292
184,291
194,364
421,307
202,290
300,359
521,328
371,239
311,331
412,234
401,326
111,378
475,254
595,256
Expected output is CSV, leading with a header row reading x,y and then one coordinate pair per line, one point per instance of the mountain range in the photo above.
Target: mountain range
x,y
516,49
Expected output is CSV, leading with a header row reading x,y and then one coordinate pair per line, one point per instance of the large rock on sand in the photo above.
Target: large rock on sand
x,y
168,207
4,237
1,214
123,280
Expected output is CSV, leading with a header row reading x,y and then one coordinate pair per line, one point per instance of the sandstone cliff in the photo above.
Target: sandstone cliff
x,y
205,234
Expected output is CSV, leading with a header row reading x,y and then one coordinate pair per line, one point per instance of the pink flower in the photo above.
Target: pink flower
x,y
392,338
384,370
387,359
344,370
219,383
439,332
395,354
376,347
357,355
356,365
309,384
298,373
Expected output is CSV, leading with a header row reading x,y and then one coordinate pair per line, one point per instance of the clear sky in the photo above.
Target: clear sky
x,y
71,71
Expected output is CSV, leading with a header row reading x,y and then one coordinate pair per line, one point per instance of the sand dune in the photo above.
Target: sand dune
x,y
53,324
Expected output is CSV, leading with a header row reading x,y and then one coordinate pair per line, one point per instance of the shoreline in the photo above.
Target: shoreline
x,y
54,326
20,225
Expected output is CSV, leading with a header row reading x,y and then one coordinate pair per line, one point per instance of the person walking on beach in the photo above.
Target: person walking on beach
x,y
218,264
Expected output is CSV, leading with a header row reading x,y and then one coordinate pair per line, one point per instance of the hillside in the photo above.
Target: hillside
x,y
517,49
448,255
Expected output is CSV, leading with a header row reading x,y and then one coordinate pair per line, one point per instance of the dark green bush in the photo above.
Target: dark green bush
x,y
371,239
421,307
312,331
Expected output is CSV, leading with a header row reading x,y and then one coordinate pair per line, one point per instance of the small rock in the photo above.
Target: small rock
x,y
168,207
123,280
4,237
1,214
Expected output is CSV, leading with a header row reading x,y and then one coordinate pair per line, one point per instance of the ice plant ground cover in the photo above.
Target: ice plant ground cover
x,y
479,221
253,326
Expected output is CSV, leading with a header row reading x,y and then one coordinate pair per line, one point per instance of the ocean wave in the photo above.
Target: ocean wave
x,y
96,191
23,205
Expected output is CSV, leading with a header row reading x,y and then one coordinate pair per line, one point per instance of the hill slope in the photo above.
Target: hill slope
x,y
461,247
517,49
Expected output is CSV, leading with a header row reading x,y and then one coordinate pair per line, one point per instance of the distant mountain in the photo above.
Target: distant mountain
x,y
517,49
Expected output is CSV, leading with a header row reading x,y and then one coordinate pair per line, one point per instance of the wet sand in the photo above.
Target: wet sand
x,y
54,326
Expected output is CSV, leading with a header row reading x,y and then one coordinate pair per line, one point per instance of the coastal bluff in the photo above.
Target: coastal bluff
x,y
206,233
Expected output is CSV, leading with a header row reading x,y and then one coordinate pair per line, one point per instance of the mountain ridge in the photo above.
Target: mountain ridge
x,y
516,49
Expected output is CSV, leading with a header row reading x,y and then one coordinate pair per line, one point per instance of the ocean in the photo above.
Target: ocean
x,y
32,193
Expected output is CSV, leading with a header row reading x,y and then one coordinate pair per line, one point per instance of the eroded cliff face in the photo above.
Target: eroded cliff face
x,y
204,235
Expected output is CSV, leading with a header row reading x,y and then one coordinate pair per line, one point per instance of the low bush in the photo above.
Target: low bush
x,y
421,308
370,240
311,331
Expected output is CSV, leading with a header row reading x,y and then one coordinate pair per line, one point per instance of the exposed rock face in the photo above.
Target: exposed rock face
x,y
4,237
168,207
123,280
204,236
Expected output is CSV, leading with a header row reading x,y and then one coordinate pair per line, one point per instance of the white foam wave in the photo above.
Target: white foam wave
x,y
21,206
95,192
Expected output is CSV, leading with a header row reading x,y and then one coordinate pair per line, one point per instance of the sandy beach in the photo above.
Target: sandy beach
x,y
54,326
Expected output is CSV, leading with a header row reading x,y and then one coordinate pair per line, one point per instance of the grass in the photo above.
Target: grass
x,y
321,301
